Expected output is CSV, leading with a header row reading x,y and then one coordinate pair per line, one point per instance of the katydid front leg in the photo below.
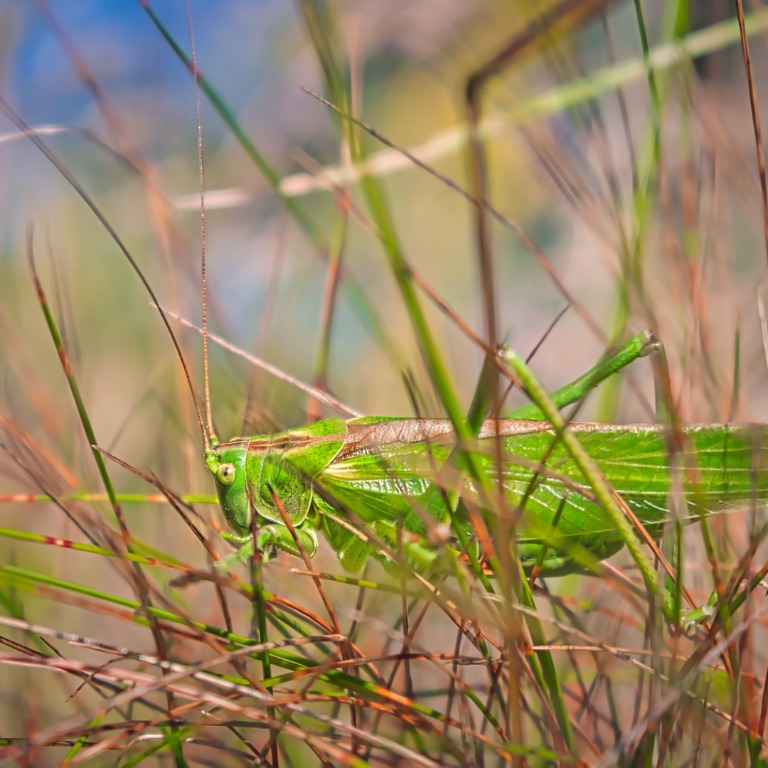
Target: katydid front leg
x,y
269,539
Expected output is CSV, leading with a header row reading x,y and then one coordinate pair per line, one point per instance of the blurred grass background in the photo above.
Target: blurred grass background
x,y
580,181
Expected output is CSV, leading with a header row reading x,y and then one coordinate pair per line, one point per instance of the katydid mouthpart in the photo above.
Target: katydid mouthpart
x,y
403,480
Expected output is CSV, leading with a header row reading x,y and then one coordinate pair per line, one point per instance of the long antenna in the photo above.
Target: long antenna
x,y
57,163
208,436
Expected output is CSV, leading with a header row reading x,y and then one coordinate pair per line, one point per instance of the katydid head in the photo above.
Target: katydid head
x,y
249,478
226,463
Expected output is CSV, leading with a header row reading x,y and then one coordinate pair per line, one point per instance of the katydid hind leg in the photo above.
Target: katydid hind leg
x,y
643,344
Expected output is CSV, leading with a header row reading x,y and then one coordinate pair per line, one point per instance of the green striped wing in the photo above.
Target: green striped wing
x,y
387,468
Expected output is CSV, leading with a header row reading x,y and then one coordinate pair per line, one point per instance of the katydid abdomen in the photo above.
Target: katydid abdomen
x,y
401,475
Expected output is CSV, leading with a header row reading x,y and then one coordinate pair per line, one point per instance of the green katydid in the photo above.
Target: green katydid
x,y
397,475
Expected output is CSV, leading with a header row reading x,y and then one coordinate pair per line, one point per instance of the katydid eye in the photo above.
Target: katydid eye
x,y
225,475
